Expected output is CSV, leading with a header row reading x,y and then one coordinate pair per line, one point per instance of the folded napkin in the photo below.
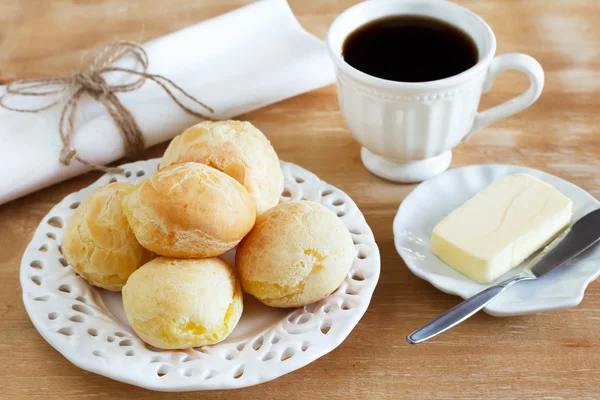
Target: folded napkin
x,y
237,62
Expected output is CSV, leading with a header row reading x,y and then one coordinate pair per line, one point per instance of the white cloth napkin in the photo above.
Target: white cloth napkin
x,y
237,62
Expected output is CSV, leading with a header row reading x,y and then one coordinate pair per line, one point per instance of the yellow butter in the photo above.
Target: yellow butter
x,y
501,226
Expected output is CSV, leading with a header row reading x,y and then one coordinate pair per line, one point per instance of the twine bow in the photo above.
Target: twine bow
x,y
91,82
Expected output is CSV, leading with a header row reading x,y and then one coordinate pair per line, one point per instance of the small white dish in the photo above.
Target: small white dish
x,y
88,325
432,200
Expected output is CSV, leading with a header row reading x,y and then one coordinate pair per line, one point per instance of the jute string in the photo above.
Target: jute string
x,y
91,82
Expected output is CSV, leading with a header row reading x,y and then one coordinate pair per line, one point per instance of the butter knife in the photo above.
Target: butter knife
x,y
569,244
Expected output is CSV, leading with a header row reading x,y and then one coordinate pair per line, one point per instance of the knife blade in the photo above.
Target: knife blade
x,y
572,242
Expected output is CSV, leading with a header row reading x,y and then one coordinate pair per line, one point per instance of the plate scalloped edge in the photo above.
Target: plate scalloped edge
x,y
563,288
73,317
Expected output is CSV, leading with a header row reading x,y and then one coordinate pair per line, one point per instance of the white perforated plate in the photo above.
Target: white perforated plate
x,y
88,326
432,200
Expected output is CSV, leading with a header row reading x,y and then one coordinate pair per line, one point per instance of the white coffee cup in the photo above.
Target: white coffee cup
x,y
406,129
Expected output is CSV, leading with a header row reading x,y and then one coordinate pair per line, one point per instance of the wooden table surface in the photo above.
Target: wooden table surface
x,y
552,355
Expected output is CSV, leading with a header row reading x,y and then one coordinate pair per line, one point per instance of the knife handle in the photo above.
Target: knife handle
x,y
461,311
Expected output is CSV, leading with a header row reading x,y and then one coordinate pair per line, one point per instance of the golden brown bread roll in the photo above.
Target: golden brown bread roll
x,y
98,242
189,211
236,148
178,304
297,253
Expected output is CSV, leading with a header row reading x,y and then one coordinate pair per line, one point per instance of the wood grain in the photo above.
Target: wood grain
x,y
553,355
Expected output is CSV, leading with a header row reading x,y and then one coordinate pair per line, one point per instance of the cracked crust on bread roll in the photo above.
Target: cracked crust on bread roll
x,y
297,253
236,148
178,304
98,242
189,211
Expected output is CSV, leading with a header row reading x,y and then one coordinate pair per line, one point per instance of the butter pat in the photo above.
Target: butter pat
x,y
501,226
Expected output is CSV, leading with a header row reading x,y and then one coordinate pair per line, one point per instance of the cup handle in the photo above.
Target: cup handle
x,y
520,62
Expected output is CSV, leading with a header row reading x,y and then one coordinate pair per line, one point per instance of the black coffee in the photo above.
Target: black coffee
x,y
410,48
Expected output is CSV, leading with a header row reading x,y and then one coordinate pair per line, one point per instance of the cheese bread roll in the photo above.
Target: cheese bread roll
x,y
189,211
178,304
98,242
297,253
236,148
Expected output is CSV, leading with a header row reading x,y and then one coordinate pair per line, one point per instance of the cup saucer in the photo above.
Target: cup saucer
x,y
432,200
